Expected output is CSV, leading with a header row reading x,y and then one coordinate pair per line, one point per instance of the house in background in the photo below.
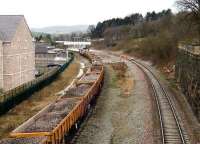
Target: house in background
x,y
17,52
48,57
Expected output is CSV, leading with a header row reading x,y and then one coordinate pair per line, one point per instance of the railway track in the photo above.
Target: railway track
x,y
171,130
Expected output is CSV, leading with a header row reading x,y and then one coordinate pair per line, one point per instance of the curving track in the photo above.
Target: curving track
x,y
171,129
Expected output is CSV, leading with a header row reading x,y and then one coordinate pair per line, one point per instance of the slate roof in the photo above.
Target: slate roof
x,y
8,26
41,48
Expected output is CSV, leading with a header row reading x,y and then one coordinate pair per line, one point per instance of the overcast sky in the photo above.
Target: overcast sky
x,y
42,13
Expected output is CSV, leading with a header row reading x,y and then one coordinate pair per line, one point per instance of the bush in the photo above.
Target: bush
x,y
160,48
1,91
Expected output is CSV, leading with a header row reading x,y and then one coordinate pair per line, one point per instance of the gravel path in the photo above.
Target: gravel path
x,y
119,119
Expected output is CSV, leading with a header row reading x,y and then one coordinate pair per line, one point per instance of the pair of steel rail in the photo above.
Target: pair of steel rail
x,y
172,131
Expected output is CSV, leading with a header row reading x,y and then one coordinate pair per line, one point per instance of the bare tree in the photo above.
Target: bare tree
x,y
91,30
193,8
190,5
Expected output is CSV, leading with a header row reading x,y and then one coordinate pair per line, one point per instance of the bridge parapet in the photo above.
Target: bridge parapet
x,y
194,48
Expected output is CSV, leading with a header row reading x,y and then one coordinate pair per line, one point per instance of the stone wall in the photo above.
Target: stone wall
x,y
1,65
188,75
19,58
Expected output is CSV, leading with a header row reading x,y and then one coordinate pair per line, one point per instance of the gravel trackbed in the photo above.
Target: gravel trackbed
x,y
119,118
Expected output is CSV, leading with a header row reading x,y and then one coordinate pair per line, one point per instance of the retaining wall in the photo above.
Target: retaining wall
x,y
188,76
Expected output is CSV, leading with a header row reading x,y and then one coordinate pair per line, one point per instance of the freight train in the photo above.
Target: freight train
x,y
52,123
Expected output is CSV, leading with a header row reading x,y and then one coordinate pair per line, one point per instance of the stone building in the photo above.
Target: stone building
x,y
48,57
17,52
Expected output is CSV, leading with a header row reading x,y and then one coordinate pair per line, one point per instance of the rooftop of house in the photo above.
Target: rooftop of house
x,y
8,26
41,48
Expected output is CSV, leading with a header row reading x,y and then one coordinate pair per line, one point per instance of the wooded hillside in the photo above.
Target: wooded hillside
x,y
154,36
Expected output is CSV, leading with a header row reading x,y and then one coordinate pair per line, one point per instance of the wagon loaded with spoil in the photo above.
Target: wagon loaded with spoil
x,y
50,125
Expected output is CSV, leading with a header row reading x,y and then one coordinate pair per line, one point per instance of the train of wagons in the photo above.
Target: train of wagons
x,y
51,124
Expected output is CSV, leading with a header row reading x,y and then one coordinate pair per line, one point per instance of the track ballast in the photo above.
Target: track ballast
x,y
170,126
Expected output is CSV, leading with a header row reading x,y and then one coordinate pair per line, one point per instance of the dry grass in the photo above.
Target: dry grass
x,y
120,68
159,49
126,86
37,101
124,81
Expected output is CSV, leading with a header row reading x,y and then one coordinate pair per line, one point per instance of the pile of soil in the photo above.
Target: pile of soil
x,y
49,119
90,77
78,91
96,68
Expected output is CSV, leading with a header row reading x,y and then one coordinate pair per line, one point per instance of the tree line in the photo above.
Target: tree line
x,y
132,20
155,36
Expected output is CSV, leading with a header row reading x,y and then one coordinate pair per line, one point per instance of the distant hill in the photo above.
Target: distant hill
x,y
61,29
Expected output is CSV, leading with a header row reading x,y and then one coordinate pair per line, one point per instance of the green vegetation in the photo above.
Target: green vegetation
x,y
1,91
113,82
44,37
37,34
